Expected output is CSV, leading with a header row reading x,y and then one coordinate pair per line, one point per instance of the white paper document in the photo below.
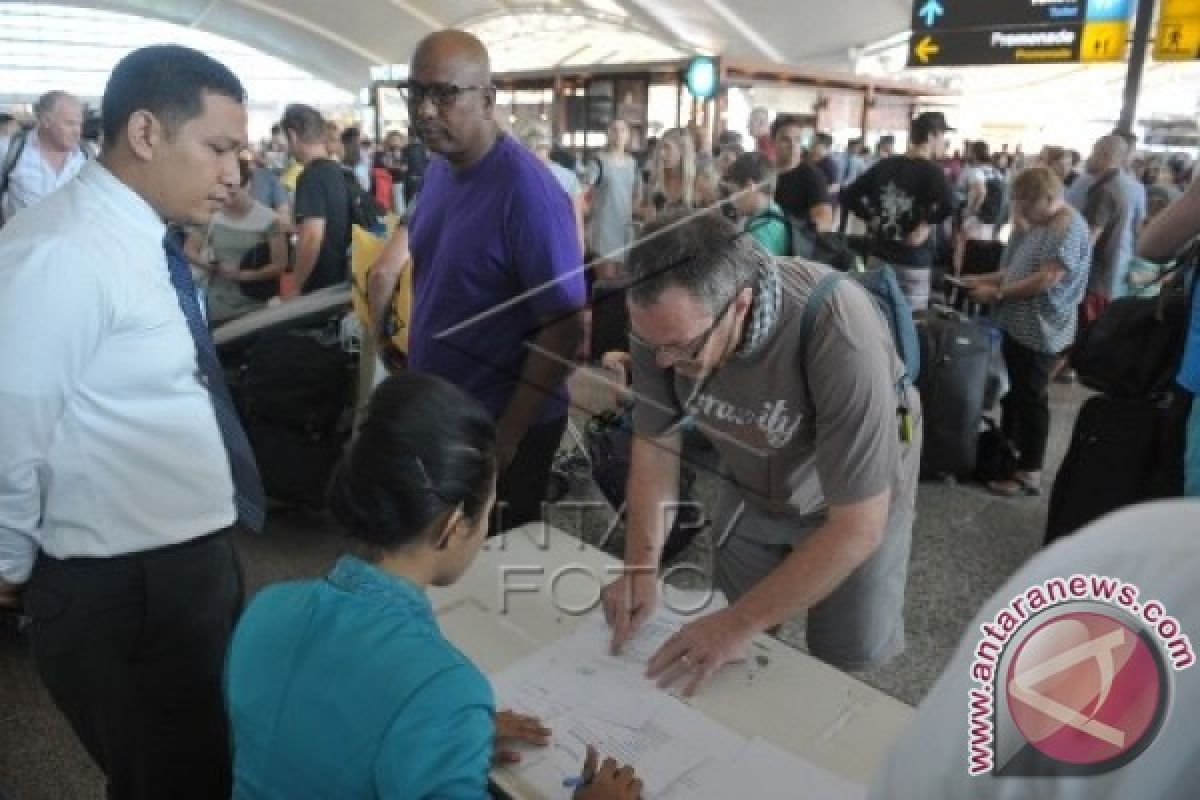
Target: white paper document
x,y
586,696
763,771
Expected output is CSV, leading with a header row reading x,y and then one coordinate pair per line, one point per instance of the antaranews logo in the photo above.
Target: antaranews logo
x,y
1072,678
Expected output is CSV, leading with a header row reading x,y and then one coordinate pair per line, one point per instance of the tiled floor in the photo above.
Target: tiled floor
x,y
965,545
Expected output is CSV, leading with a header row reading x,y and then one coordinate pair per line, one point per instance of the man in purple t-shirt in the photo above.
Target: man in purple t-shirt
x,y
497,277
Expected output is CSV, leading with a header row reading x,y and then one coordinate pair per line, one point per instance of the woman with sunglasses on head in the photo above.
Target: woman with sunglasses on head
x,y
345,687
677,181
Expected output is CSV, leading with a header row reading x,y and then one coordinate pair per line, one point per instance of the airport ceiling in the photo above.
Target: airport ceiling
x,y
340,40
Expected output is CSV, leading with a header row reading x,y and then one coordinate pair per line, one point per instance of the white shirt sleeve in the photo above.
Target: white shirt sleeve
x,y
52,317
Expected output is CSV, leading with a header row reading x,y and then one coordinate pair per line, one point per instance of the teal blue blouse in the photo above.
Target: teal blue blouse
x,y
346,688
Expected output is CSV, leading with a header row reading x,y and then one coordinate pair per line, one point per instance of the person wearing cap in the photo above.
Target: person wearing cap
x,y
903,199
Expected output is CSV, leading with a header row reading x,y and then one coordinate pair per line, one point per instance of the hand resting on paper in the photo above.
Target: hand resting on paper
x,y
607,781
513,728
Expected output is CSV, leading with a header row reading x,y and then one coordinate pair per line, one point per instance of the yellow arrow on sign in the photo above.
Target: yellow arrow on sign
x,y
925,48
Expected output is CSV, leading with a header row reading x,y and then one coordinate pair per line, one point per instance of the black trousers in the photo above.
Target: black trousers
x,y
1026,407
132,650
521,488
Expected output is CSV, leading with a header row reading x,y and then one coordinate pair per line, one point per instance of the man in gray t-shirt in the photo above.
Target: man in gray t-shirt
x,y
816,507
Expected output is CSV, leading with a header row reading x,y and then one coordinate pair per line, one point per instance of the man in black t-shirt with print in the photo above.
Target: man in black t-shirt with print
x,y
800,190
322,203
903,199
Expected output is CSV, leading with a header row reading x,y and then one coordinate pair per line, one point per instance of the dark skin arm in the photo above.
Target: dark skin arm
x,y
550,361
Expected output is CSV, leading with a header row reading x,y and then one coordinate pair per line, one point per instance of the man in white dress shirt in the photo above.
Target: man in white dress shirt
x,y
47,157
121,472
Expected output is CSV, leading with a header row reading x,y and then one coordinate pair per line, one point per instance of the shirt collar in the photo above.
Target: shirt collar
x,y
118,194
352,574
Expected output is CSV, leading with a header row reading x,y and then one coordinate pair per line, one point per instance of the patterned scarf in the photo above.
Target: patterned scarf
x,y
764,314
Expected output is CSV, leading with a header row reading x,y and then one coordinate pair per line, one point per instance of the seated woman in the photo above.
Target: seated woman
x,y
345,687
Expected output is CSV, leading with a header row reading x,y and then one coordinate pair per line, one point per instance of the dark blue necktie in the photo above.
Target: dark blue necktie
x,y
247,485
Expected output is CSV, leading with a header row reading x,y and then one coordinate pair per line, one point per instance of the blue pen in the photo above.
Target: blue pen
x,y
574,783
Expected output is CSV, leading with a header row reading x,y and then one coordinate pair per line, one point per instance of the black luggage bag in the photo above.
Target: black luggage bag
x,y
1122,452
956,357
294,392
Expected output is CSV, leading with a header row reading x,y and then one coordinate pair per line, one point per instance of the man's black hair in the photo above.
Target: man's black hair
x,y
167,80
304,121
752,168
782,121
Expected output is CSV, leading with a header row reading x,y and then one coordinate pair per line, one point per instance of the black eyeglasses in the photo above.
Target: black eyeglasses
x,y
688,351
443,95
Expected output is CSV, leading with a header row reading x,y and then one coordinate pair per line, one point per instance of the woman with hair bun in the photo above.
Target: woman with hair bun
x,y
345,687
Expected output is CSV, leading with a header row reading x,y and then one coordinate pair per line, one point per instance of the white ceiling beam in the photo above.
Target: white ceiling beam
x,y
646,12
313,28
198,20
572,55
412,10
746,31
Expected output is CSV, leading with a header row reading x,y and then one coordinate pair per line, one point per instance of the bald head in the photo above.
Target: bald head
x,y
457,51
1109,152
450,96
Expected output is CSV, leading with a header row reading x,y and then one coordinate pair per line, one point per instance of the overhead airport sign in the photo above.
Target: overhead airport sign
x,y
960,33
1178,37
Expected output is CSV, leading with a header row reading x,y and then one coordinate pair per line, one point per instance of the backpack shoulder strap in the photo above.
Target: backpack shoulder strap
x,y
16,146
766,218
772,216
808,319
812,307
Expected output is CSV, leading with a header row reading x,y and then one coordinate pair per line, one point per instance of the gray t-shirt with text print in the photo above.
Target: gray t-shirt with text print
x,y
785,457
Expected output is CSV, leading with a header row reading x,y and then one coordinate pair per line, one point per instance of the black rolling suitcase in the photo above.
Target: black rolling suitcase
x,y
295,396
1122,452
956,357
